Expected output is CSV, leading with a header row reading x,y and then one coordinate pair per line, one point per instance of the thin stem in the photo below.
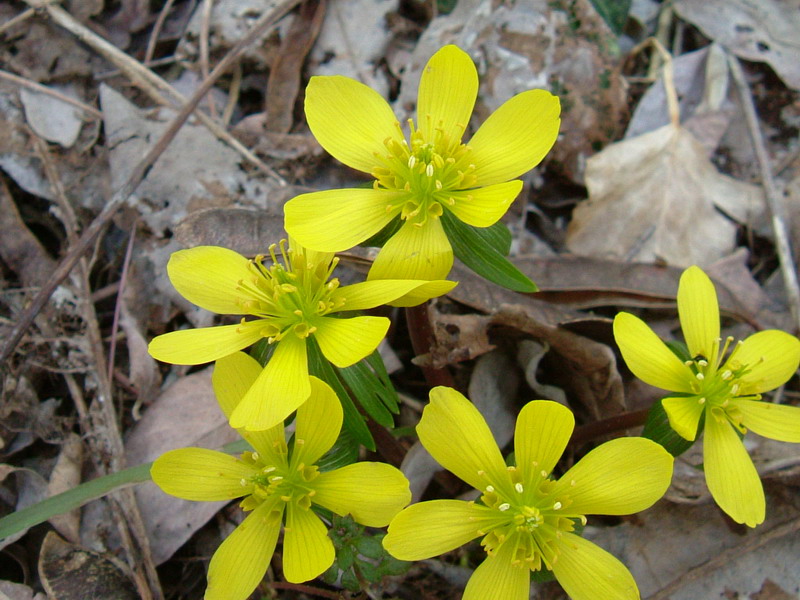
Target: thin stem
x,y
423,340
590,431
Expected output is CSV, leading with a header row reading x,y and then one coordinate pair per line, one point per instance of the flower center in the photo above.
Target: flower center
x,y
278,480
289,294
716,384
532,520
428,170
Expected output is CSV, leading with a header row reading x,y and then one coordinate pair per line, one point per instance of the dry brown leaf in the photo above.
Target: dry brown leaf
x,y
69,572
757,30
248,232
654,198
66,474
17,591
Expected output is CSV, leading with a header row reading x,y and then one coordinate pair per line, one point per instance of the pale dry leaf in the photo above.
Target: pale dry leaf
x,y
143,373
655,198
757,30
529,354
52,118
66,475
18,591
31,488
185,414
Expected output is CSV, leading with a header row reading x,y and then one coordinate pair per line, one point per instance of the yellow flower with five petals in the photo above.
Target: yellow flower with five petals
x,y
274,480
417,180
526,517
723,384
291,300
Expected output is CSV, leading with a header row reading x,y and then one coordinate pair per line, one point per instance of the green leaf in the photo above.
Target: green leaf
x,y
370,547
497,236
366,389
319,366
614,13
472,249
346,556
657,428
83,493
343,453
375,361
380,238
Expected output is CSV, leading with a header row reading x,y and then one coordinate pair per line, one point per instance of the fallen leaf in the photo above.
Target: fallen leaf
x,y
246,231
757,30
655,198
69,572
52,118
17,591
66,475
30,489
529,355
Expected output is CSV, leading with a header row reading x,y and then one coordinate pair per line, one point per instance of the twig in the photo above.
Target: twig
x,y
137,174
159,24
748,544
782,246
38,87
304,589
590,431
20,18
118,304
669,77
205,25
153,85
422,340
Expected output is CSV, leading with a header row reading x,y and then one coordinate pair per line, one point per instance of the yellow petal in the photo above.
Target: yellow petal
x,y
233,376
542,432
337,220
731,477
307,549
432,528
496,578
201,474
311,257
619,477
198,346
282,386
684,415
424,292
484,206
319,420
699,312
369,294
373,493
587,572
648,357
350,120
773,421
415,252
447,92
208,277
772,357
457,436
516,137
241,561
346,341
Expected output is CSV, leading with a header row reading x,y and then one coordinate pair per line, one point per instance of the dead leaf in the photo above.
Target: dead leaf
x,y
655,198
458,338
757,30
30,489
186,414
529,355
283,85
66,475
248,232
52,118
69,572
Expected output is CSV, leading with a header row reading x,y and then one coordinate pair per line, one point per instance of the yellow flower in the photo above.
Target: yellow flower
x,y
526,517
273,480
291,301
417,180
725,388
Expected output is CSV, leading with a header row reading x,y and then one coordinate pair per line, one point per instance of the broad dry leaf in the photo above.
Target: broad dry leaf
x,y
655,198
758,30
66,475
52,118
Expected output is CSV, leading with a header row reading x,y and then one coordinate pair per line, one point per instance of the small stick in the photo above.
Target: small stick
x,y
422,340
137,174
118,304
205,25
42,89
159,24
782,246
20,18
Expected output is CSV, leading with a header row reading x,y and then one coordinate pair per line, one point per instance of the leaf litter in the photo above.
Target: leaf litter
x,y
628,196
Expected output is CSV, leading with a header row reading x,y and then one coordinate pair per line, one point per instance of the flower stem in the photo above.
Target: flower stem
x,y
423,340
590,431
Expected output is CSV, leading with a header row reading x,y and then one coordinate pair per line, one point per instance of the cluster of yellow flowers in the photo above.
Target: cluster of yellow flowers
x,y
526,517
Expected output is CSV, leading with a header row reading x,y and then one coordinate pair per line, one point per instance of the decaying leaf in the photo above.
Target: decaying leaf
x,y
18,591
529,355
52,118
248,232
66,474
655,198
70,572
30,489
757,30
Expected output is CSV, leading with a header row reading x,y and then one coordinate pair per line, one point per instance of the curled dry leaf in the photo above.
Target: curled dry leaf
x,y
757,30
655,198
17,591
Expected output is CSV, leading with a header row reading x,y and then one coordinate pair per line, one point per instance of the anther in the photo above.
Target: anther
x,y
557,506
519,488
701,401
727,374
544,473
429,170
702,362
504,507
254,455
243,482
490,488
412,160
700,376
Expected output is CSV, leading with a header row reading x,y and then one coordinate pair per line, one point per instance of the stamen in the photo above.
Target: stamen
x,y
700,376
557,506
702,362
490,488
701,401
518,487
504,507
